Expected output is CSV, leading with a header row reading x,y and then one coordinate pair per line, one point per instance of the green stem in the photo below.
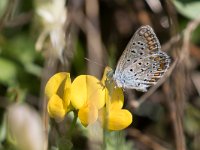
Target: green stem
x,y
104,139
73,124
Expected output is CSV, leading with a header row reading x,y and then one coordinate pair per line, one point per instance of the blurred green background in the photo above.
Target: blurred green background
x,y
40,38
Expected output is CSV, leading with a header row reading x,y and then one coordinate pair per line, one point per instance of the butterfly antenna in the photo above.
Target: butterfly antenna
x,y
89,60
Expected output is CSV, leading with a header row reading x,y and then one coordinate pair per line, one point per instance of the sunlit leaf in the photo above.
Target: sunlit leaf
x,y
188,8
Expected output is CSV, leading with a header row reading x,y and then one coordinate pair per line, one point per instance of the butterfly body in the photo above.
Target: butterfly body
x,y
142,62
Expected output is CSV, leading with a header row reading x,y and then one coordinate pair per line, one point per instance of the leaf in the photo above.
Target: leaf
x,y
192,120
8,71
188,8
3,4
117,140
20,49
3,128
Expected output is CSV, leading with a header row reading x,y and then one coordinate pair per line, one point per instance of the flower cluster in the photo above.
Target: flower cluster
x,y
90,98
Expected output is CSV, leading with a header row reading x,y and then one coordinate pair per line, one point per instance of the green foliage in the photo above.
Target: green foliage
x,y
188,8
21,69
18,63
117,141
192,120
3,4
8,71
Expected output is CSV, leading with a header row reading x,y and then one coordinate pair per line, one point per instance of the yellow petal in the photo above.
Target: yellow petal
x,y
54,83
116,96
117,119
87,89
79,92
88,114
117,99
55,108
67,91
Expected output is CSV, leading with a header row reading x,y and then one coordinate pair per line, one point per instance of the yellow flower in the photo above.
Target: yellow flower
x,y
93,99
88,96
56,108
58,91
113,117
88,114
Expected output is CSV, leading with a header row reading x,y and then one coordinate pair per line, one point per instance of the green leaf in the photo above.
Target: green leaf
x,y
117,140
188,8
3,4
19,48
8,71
192,120
3,129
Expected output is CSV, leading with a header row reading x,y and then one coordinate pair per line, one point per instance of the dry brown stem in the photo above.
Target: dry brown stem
x,y
93,36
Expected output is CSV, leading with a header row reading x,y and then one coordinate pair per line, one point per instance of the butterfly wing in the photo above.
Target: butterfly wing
x,y
145,72
141,60
142,43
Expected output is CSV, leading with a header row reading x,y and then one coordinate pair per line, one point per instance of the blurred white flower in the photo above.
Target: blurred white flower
x,y
25,127
52,14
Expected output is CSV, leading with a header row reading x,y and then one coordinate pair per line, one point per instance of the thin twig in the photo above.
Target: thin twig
x,y
175,39
8,11
176,107
186,38
19,20
93,35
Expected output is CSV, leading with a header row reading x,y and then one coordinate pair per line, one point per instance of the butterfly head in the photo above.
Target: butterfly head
x,y
110,74
111,79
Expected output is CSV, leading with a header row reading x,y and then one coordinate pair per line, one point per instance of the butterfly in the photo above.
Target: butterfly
x,y
142,63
